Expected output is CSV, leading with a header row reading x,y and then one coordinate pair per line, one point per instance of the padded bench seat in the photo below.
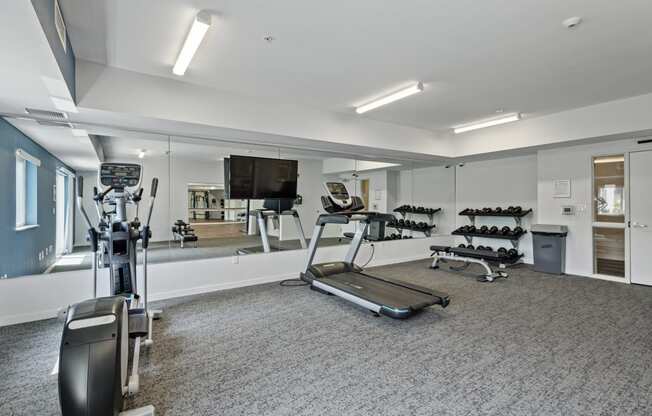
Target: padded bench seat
x,y
487,255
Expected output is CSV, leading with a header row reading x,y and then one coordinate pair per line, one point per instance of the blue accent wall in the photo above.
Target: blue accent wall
x,y
65,58
19,250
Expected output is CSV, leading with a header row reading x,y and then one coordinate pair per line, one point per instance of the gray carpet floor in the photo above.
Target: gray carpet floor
x,y
534,344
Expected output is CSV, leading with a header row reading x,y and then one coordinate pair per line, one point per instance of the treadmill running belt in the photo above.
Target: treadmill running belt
x,y
395,299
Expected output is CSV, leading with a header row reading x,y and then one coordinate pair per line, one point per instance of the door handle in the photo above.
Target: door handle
x,y
638,225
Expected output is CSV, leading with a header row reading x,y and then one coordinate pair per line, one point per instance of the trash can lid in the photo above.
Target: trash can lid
x,y
560,230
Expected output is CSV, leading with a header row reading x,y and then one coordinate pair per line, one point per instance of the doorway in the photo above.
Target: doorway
x,y
364,192
609,226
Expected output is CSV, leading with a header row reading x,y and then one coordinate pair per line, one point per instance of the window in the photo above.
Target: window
x,y
26,190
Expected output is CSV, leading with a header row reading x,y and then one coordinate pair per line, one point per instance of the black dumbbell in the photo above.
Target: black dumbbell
x,y
493,230
484,229
498,210
510,209
502,250
505,230
462,246
471,229
478,211
512,253
401,222
479,248
517,210
470,247
486,210
518,230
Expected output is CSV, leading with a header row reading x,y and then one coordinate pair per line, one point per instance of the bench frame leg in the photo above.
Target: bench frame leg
x,y
489,276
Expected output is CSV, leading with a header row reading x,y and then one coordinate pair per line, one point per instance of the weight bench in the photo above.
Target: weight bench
x,y
472,256
184,233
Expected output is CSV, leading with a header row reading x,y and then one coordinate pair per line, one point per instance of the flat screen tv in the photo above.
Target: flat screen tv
x,y
247,177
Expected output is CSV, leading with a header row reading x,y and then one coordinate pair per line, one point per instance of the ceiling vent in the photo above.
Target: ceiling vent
x,y
50,115
60,25
54,123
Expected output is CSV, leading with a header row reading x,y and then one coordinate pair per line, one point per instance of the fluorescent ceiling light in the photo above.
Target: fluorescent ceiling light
x,y
199,27
607,159
415,89
487,123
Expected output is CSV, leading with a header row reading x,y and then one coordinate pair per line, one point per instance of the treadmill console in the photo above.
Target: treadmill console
x,y
120,175
338,193
339,200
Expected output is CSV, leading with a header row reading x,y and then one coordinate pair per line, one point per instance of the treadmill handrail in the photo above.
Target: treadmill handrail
x,y
345,217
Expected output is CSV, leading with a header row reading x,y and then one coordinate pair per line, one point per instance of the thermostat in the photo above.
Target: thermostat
x,y
568,210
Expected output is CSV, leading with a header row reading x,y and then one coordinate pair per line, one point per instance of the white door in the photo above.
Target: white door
x,y
640,180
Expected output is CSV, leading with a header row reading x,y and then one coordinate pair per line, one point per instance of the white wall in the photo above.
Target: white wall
x,y
432,187
311,189
499,182
574,163
47,293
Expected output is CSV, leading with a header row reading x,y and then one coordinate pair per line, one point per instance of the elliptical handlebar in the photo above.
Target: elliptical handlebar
x,y
80,202
154,187
152,194
93,236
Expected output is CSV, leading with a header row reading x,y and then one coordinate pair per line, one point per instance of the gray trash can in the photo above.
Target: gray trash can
x,y
549,243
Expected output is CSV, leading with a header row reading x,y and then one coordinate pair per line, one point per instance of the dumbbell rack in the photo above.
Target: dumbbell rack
x,y
431,219
514,238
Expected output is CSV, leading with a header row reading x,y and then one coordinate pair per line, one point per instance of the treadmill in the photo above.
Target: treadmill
x,y
274,209
381,295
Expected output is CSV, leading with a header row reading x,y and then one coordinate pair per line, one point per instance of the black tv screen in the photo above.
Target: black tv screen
x,y
247,177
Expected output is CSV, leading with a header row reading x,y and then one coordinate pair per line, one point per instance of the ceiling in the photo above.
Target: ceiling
x,y
30,78
475,57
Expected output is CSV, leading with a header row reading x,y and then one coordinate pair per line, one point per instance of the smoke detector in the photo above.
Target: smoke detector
x,y
572,22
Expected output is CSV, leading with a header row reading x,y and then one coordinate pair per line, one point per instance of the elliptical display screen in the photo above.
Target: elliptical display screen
x,y
120,175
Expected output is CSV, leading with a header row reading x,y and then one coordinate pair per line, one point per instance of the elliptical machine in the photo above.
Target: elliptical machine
x,y
94,356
